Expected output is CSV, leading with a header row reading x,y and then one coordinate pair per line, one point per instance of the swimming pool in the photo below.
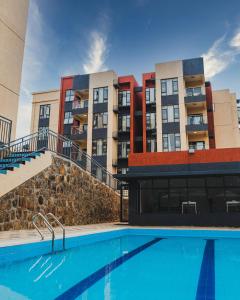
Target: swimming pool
x,y
126,264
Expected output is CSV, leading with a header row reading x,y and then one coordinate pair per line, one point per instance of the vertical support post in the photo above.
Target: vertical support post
x,y
121,202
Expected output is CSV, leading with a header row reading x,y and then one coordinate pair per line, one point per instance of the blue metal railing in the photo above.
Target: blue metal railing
x,y
62,146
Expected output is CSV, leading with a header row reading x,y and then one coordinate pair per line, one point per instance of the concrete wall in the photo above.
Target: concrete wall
x,y
41,98
104,79
13,21
64,189
169,70
225,119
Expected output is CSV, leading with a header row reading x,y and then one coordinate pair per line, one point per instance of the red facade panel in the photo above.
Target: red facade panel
x,y
184,157
66,84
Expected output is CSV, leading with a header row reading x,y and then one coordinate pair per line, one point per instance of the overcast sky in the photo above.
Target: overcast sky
x,y
66,37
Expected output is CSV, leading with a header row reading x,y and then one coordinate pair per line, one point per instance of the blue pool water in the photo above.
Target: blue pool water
x,y
126,264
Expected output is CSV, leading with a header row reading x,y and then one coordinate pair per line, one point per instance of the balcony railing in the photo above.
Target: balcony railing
x,y
5,130
80,104
79,129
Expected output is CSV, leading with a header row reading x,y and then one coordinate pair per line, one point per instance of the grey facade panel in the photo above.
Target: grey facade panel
x,y
138,89
184,170
79,111
43,122
196,127
79,136
170,100
102,160
81,82
100,107
67,129
68,106
99,133
173,127
194,99
193,66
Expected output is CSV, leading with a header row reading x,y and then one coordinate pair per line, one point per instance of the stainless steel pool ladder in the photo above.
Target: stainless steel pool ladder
x,y
49,227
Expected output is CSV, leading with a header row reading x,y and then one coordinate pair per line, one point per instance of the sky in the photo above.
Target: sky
x,y
67,37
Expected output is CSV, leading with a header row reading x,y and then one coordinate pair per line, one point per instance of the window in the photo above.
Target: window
x,y
195,119
44,111
151,120
150,95
194,91
238,112
43,131
170,113
124,123
69,95
123,149
151,145
169,87
124,98
68,118
122,171
100,120
100,95
171,142
67,144
198,145
99,147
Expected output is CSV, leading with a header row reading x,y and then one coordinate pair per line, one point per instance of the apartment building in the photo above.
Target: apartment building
x,y
13,21
174,109
45,111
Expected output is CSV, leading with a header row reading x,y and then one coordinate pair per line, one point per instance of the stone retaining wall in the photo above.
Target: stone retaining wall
x,y
70,193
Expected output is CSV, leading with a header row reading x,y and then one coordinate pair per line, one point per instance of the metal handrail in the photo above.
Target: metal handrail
x,y
5,130
54,142
50,228
60,224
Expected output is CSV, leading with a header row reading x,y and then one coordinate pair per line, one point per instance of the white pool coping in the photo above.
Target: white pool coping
x,y
18,237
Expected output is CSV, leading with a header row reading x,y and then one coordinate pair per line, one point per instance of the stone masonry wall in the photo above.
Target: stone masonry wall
x,y
63,189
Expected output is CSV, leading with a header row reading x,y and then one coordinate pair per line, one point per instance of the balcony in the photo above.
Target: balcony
x,y
195,96
80,107
196,124
79,132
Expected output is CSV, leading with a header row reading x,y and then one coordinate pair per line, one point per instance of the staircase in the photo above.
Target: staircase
x,y
16,159
37,146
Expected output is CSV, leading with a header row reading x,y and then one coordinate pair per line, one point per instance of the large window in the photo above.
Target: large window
x,y
99,147
44,111
151,145
170,113
171,142
211,194
69,95
195,119
124,98
100,120
150,121
150,95
194,91
169,87
68,118
100,95
123,149
124,123
198,145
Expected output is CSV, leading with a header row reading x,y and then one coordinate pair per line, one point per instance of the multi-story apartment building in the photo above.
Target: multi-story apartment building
x,y
45,111
174,109
13,21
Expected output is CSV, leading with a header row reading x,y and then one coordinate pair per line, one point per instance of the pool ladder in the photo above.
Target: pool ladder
x,y
49,227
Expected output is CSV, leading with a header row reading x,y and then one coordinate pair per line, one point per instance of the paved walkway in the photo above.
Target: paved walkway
x,y
16,237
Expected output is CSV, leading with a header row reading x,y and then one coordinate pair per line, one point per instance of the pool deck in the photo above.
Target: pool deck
x,y
17,237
